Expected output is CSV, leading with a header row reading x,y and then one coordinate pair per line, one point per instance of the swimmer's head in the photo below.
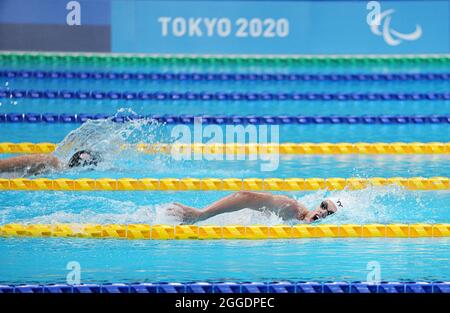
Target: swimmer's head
x,y
326,208
84,158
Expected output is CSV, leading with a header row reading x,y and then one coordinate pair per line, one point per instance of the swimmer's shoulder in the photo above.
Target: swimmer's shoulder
x,y
54,161
45,159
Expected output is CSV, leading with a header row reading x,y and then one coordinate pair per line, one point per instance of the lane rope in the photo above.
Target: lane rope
x,y
220,184
227,77
282,148
105,59
219,96
236,287
171,232
227,119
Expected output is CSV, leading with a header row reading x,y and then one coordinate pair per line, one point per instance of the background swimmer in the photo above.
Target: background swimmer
x,y
284,206
35,164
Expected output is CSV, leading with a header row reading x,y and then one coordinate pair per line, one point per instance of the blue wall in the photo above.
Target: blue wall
x,y
238,27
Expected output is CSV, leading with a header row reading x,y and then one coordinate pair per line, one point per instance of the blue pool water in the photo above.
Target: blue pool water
x,y
287,133
226,86
101,261
27,260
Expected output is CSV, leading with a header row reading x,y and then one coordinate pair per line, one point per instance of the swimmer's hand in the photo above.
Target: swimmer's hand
x,y
187,214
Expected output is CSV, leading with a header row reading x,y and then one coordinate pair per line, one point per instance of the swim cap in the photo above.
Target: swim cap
x,y
84,158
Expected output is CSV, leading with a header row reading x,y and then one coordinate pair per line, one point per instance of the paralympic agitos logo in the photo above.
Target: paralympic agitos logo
x,y
380,25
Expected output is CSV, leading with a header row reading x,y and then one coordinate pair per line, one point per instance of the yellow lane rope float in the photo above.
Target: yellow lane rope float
x,y
158,232
282,148
224,184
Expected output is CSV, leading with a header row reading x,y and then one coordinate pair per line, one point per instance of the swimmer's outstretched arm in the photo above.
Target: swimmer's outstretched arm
x,y
285,207
32,164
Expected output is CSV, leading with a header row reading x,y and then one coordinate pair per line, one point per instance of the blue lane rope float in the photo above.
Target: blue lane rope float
x,y
272,77
236,287
223,119
220,96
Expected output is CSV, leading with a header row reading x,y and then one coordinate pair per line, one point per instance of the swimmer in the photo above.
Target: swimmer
x,y
284,206
35,164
